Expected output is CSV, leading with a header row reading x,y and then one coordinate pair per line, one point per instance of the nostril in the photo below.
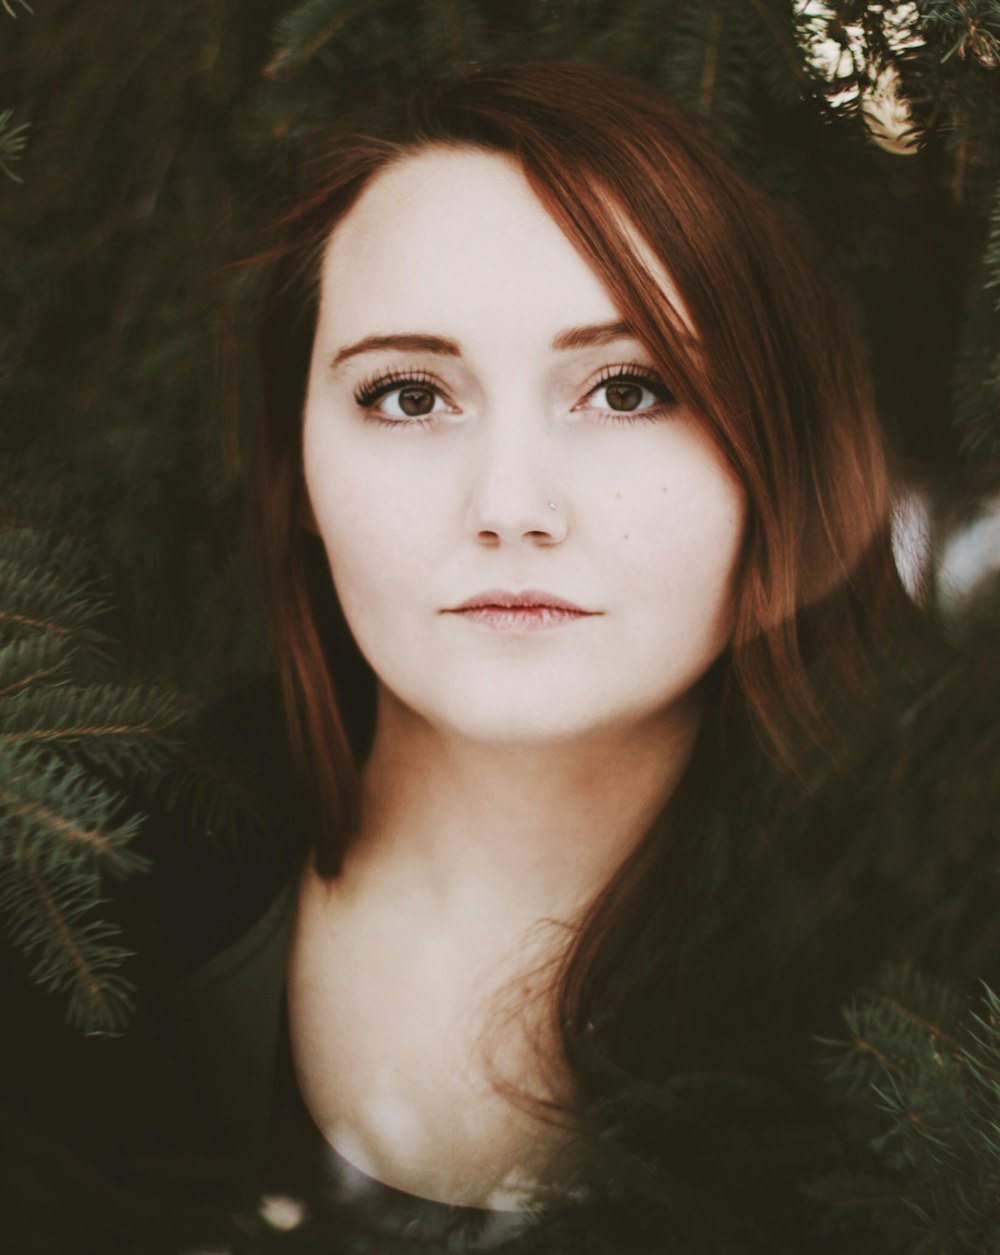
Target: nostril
x,y
510,521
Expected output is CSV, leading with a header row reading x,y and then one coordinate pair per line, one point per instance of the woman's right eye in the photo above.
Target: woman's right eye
x,y
411,402
400,400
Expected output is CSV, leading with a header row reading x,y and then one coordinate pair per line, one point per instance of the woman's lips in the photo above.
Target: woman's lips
x,y
529,611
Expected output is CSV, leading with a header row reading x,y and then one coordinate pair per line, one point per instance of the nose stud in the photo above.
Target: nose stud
x,y
552,505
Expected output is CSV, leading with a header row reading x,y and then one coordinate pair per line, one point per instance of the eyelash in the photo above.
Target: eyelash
x,y
635,372
377,386
374,389
371,389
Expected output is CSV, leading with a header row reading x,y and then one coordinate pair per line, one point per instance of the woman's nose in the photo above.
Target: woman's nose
x,y
514,496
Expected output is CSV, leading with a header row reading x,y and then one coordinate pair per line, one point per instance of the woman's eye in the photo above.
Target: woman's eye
x,y
624,393
626,396
413,401
398,400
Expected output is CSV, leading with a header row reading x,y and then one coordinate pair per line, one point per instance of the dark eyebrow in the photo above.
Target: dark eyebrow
x,y
414,342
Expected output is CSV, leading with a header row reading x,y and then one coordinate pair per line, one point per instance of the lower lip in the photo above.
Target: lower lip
x,y
521,618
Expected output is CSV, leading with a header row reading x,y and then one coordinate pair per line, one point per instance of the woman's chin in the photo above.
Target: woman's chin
x,y
535,727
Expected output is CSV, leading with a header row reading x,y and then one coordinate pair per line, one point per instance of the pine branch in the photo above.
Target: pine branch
x,y
44,588
31,660
929,1109
47,914
61,828
991,253
969,28
113,725
12,142
307,29
62,815
784,38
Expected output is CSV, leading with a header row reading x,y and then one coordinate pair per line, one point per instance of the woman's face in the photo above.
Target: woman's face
x,y
467,376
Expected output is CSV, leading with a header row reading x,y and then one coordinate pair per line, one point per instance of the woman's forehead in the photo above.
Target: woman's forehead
x,y
459,233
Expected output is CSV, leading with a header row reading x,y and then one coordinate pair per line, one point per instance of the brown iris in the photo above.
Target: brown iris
x,y
623,396
416,401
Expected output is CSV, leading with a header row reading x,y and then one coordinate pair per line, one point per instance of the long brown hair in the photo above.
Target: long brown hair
x,y
775,372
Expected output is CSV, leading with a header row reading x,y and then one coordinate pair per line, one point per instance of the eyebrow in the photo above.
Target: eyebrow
x,y
587,337
408,342
414,342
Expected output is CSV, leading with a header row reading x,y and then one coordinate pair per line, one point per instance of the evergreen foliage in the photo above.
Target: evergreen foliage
x,y
932,1065
64,727
12,141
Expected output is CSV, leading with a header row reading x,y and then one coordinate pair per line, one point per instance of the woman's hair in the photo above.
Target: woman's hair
x,y
775,372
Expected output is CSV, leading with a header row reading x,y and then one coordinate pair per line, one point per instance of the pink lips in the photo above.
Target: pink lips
x,y
527,611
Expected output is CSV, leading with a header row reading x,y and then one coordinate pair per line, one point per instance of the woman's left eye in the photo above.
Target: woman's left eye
x,y
626,393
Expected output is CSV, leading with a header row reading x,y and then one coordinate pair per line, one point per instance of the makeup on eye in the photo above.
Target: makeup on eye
x,y
634,392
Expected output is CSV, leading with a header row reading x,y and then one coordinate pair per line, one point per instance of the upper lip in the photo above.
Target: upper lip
x,y
529,598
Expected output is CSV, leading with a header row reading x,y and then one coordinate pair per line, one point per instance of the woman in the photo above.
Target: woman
x,y
588,449
573,527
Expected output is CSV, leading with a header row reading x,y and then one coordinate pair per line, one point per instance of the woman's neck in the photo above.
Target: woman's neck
x,y
497,837
438,922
